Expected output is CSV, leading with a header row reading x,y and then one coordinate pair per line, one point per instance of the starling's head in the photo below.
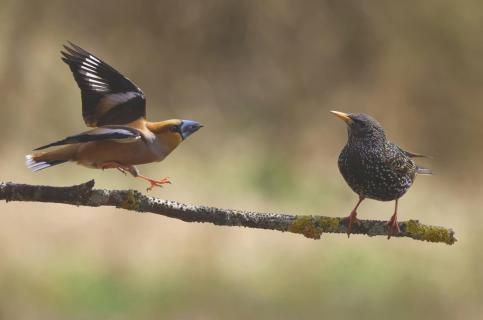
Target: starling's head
x,y
361,126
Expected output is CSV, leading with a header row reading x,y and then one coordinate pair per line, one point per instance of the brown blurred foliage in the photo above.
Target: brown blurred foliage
x,y
261,76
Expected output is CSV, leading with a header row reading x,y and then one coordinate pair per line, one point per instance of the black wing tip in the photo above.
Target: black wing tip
x,y
46,146
73,46
54,144
69,47
69,56
71,50
41,148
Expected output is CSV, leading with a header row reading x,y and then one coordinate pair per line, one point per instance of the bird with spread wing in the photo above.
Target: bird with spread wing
x,y
116,110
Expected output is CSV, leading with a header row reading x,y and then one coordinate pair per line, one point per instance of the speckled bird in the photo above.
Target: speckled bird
x,y
374,167
116,108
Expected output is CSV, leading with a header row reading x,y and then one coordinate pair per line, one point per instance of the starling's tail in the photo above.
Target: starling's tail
x,y
421,170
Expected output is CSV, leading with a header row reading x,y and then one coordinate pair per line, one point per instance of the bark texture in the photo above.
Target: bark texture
x,y
311,226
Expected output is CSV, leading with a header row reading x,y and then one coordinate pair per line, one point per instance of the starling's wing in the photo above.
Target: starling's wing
x,y
122,134
108,98
419,170
399,161
412,154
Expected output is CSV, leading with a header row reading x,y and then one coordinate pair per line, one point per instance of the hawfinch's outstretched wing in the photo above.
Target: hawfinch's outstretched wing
x,y
108,98
122,134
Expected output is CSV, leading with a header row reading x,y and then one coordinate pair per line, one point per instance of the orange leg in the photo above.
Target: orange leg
x,y
116,165
392,224
154,183
110,165
135,173
352,218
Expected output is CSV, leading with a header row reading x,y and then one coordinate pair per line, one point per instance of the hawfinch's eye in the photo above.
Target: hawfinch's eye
x,y
174,129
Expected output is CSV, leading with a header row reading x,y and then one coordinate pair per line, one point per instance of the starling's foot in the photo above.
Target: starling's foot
x,y
155,183
352,218
393,226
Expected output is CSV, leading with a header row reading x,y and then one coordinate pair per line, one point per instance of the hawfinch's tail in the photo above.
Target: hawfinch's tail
x,y
35,165
45,159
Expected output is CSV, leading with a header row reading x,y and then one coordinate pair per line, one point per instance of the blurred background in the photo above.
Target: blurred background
x,y
262,77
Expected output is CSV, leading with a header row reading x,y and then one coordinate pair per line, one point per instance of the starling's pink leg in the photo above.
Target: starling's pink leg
x,y
353,217
392,224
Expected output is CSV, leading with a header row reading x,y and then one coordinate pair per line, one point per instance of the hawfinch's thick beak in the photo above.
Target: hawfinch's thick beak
x,y
189,127
343,116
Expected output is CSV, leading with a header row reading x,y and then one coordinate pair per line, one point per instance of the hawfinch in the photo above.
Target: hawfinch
x,y
116,110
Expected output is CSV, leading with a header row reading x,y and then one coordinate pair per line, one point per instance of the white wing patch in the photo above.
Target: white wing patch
x,y
97,82
130,136
101,130
89,74
88,69
127,140
94,58
115,99
98,88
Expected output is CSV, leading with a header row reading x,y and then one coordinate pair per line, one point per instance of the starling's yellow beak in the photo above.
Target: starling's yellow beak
x,y
343,116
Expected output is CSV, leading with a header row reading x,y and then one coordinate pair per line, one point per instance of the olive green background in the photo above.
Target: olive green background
x,y
262,77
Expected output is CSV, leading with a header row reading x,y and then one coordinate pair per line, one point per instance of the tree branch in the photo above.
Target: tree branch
x,y
310,226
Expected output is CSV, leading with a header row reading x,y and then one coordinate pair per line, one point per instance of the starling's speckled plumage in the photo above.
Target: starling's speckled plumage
x,y
374,167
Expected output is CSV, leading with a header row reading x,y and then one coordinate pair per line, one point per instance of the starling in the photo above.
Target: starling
x,y
374,167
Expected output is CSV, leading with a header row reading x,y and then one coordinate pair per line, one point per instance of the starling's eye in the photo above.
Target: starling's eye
x,y
361,124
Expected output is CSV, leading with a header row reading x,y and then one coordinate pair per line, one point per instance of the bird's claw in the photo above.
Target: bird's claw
x,y
157,183
114,165
352,218
393,227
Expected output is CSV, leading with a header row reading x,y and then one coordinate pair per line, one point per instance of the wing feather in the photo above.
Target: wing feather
x,y
419,169
108,97
398,160
412,154
116,133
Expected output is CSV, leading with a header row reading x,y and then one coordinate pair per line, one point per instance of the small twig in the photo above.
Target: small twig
x,y
310,226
